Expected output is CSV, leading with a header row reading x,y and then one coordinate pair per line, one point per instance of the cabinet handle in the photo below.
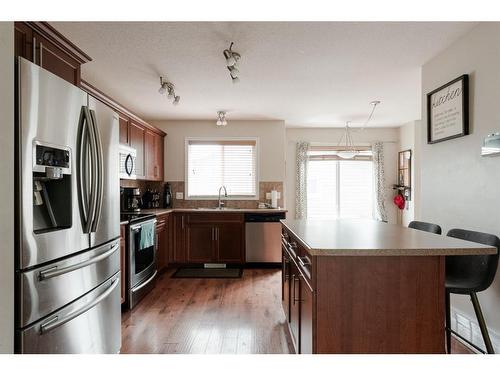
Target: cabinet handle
x,y
217,234
295,299
213,234
303,262
41,54
34,50
182,221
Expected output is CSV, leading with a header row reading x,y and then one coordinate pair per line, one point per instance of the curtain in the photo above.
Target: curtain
x,y
379,213
301,181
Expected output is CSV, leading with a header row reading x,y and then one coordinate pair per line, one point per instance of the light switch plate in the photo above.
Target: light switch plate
x,y
179,195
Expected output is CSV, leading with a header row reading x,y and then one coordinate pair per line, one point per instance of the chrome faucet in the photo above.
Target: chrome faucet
x,y
221,203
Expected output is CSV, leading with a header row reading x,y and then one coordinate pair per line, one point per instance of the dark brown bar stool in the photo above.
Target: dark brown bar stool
x,y
426,227
468,275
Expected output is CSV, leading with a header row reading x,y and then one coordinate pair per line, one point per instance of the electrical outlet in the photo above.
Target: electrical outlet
x,y
179,195
268,195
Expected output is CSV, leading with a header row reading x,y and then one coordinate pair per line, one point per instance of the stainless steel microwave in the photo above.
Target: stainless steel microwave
x,y
128,156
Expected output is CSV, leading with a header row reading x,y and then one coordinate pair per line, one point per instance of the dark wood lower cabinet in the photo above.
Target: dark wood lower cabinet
x,y
294,321
200,244
306,316
208,238
163,241
285,283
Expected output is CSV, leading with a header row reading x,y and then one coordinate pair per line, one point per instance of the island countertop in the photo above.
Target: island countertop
x,y
358,237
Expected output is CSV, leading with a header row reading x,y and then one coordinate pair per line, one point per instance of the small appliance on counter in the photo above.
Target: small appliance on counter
x,y
131,199
151,199
167,196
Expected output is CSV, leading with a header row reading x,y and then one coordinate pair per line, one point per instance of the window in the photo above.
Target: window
x,y
338,188
227,162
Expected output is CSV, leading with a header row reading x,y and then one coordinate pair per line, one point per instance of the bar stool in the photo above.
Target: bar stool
x,y
426,227
468,275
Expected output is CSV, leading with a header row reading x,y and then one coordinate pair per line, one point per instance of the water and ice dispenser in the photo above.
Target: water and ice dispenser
x,y
52,207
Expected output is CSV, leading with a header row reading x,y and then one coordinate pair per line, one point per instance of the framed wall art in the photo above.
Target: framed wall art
x,y
448,111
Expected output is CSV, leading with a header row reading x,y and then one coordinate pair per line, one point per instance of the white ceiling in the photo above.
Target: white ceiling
x,y
310,74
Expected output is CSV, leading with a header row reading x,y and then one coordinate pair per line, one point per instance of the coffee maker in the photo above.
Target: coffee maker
x,y
131,199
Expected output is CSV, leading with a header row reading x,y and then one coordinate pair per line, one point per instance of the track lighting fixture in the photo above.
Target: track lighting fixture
x,y
221,118
168,88
232,59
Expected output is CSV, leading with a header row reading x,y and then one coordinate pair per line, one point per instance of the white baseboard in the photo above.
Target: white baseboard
x,y
469,329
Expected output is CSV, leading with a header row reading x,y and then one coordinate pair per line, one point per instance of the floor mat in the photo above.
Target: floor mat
x,y
210,273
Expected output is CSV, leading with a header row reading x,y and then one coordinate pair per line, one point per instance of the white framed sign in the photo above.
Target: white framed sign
x,y
448,111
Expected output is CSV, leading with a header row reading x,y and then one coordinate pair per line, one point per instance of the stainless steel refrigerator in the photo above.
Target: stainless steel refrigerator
x,y
67,218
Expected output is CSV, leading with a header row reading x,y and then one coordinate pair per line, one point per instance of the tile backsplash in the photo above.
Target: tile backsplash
x,y
178,186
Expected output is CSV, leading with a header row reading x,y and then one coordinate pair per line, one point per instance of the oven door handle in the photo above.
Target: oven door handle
x,y
139,287
55,322
138,226
54,271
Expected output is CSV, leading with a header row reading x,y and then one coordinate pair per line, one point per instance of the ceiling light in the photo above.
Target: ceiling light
x,y
231,59
168,87
221,118
348,150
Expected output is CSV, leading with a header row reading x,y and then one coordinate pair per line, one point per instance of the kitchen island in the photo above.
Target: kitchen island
x,y
362,286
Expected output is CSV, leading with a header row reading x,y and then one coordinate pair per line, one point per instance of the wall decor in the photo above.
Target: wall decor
x,y
448,111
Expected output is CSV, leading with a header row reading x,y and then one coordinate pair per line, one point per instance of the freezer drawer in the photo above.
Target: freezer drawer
x,y
46,289
89,325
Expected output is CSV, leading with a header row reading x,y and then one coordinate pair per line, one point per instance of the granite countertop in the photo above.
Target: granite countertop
x,y
353,237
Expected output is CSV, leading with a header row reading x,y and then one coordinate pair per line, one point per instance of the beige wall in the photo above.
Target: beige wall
x,y
332,136
271,136
459,188
407,142
7,187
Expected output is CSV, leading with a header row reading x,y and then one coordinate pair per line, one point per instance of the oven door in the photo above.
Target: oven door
x,y
142,260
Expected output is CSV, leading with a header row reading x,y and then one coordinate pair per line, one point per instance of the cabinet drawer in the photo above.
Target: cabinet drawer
x,y
215,218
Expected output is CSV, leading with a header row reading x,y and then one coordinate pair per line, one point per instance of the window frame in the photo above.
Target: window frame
x,y
221,139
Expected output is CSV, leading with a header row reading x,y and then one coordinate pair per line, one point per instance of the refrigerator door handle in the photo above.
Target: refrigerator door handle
x,y
55,322
83,168
94,195
53,272
99,172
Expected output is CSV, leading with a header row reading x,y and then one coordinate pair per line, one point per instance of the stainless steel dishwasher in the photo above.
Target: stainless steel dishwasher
x,y
263,237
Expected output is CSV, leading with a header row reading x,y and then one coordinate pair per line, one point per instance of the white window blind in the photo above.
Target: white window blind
x,y
339,188
215,163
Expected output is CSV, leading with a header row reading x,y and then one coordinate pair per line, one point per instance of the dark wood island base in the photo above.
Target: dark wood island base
x,y
367,302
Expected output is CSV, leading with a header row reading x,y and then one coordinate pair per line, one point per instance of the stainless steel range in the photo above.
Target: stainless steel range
x,y
67,218
141,255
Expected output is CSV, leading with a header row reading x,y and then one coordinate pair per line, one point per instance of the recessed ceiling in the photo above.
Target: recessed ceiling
x,y
310,74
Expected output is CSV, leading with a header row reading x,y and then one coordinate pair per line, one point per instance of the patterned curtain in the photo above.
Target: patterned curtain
x,y
379,213
301,182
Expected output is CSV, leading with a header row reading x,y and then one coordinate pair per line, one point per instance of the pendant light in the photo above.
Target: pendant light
x,y
348,150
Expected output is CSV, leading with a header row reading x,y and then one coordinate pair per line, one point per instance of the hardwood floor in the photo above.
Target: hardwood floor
x,y
209,316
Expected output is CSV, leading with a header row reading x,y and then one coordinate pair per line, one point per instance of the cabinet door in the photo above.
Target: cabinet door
x,y
230,242
294,305
200,243
124,137
136,133
23,41
159,141
177,253
285,283
306,317
163,241
123,271
55,60
149,155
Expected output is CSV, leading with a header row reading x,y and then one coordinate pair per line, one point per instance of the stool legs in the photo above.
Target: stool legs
x,y
482,323
448,323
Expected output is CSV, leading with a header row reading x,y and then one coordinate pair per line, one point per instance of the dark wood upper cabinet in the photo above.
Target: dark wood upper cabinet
x,y
43,45
124,122
149,155
23,40
55,60
137,141
159,144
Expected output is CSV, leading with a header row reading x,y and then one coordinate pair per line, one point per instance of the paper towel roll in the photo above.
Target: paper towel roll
x,y
274,199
